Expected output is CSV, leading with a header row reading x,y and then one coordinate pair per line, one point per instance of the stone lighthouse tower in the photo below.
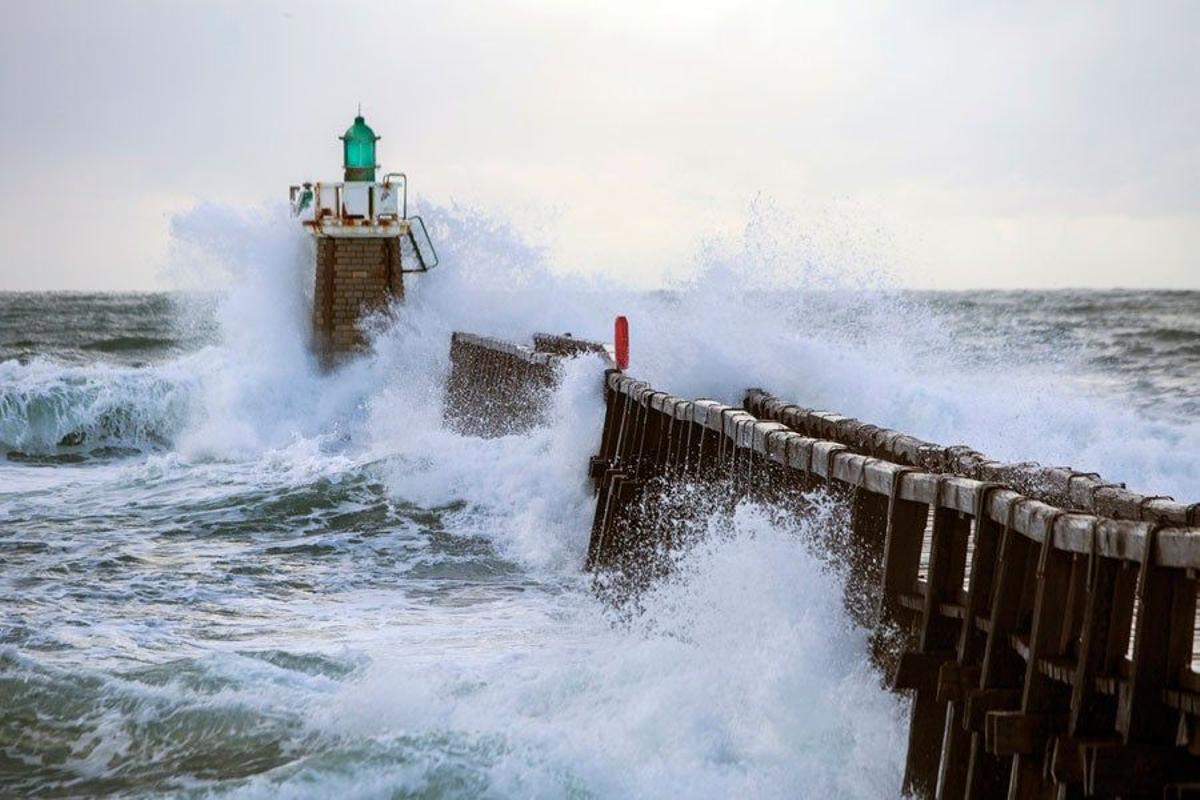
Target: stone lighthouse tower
x,y
365,243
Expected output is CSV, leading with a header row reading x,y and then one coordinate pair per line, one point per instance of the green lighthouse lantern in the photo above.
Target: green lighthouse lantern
x,y
358,149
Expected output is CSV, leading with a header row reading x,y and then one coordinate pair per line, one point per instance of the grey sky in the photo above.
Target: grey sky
x,y
1008,144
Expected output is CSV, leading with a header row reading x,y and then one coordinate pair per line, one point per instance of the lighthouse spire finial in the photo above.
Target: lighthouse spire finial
x,y
360,108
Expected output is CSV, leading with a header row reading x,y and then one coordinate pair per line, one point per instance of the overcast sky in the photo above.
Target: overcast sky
x,y
964,144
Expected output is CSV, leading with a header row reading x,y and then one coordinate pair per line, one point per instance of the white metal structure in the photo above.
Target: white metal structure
x,y
353,209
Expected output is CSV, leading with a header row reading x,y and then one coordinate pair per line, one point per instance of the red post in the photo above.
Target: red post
x,y
621,342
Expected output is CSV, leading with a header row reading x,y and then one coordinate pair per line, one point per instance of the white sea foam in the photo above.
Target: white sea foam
x,y
742,677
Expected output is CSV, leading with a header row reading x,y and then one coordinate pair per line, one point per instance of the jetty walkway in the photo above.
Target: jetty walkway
x,y
1043,619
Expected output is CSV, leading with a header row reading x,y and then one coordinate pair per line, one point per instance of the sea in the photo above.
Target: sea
x,y
225,572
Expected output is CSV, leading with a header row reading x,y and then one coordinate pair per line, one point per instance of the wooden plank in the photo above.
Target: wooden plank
x,y
1009,733
1161,648
618,535
954,681
947,564
1000,671
984,560
868,545
925,728
612,412
949,540
691,444
1045,640
954,759
1066,762
902,553
1092,714
937,634
1044,704
979,702
677,456
606,511
920,671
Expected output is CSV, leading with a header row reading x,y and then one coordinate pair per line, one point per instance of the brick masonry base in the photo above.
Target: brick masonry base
x,y
354,278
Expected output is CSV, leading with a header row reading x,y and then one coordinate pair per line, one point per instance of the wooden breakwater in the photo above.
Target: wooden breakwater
x,y
1042,620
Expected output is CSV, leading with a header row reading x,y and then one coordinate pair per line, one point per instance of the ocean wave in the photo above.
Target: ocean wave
x,y
47,408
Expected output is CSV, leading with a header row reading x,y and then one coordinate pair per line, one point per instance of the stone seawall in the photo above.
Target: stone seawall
x,y
497,388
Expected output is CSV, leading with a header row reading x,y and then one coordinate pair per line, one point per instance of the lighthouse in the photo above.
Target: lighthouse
x,y
365,243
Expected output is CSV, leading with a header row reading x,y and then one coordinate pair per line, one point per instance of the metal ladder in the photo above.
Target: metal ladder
x,y
427,257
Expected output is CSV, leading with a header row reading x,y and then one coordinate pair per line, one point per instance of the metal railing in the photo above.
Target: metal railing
x,y
387,179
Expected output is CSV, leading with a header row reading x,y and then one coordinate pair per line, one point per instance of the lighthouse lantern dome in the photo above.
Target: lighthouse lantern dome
x,y
358,149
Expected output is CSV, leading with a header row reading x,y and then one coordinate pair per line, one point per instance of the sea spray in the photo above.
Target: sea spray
x,y
741,675
854,345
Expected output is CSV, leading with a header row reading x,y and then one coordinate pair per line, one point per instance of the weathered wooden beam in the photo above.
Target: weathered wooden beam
x,y
920,671
937,636
902,552
1001,671
1058,486
955,681
1044,703
1162,646
868,545
1093,714
980,702
1010,733
947,567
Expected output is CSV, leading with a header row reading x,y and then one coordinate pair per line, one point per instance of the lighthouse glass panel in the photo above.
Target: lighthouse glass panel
x,y
359,151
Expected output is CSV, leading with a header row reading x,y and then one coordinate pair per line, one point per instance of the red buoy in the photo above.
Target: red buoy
x,y
621,341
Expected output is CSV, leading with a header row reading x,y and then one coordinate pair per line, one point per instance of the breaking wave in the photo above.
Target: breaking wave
x,y
47,407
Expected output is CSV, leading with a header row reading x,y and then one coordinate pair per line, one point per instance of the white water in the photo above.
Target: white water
x,y
742,676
